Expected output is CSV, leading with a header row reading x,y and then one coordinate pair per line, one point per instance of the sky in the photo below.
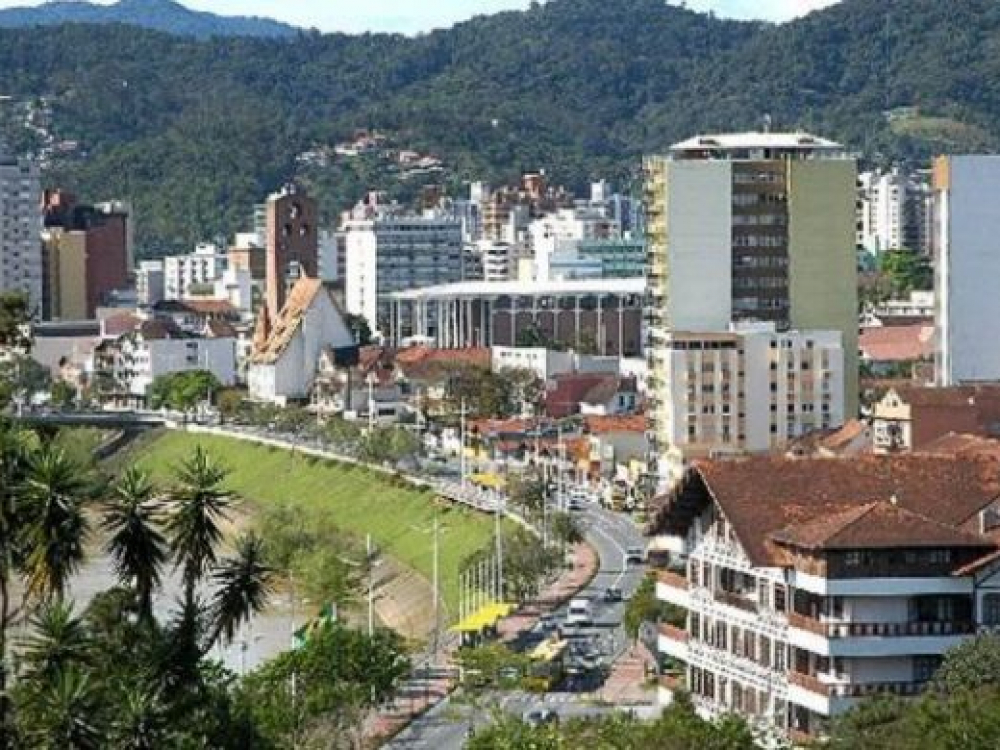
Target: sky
x,y
411,16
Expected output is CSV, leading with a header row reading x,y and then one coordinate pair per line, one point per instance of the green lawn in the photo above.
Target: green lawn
x,y
355,500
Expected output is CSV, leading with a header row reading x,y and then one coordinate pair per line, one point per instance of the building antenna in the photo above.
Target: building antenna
x,y
766,122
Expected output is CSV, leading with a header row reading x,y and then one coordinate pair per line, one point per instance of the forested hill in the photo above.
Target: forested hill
x,y
161,15
197,131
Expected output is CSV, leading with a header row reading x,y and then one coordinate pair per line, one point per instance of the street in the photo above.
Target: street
x,y
445,726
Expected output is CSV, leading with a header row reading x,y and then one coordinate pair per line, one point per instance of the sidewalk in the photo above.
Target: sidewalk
x,y
585,564
626,685
418,694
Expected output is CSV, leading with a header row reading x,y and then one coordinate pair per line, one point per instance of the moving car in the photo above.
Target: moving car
x,y
580,612
635,556
612,594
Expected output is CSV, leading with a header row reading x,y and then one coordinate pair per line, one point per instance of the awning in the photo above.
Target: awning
x,y
484,617
492,481
549,650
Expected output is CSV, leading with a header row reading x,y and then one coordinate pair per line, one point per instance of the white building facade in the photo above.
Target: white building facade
x,y
393,253
966,227
796,610
20,229
202,268
283,367
746,391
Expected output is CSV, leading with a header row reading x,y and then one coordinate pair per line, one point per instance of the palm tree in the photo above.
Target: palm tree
x,y
15,449
243,583
141,721
54,525
194,527
65,714
58,641
137,547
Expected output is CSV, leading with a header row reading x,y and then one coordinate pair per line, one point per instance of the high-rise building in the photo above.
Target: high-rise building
x,y
893,211
396,252
966,227
194,273
85,255
751,227
291,244
20,226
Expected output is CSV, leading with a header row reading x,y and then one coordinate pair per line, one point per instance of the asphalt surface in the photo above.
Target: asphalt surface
x,y
446,726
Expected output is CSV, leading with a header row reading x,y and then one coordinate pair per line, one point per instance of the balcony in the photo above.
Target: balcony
x,y
734,599
674,633
879,629
813,684
673,579
673,642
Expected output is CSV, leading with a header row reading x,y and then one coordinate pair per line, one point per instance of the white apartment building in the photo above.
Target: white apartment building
x,y
748,390
394,253
809,585
893,211
149,282
967,266
556,236
202,268
157,347
20,229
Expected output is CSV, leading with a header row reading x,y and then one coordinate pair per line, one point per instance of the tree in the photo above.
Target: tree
x,y
135,543
54,523
183,390
973,664
337,674
392,444
358,325
199,507
907,271
57,641
566,528
15,317
644,606
63,395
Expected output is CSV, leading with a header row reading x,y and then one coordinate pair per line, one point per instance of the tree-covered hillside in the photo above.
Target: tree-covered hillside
x,y
196,131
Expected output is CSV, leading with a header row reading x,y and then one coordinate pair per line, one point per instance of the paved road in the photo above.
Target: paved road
x,y
445,727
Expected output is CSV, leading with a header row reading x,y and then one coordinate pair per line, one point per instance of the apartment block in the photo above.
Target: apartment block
x,y
967,265
744,391
86,255
757,228
396,252
20,226
186,275
808,585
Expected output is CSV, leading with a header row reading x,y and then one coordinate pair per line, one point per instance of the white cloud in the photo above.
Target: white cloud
x,y
771,10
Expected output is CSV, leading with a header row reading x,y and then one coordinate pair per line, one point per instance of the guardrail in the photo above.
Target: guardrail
x,y
879,629
476,498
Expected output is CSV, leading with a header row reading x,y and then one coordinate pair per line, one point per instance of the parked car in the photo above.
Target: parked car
x,y
635,556
537,717
612,594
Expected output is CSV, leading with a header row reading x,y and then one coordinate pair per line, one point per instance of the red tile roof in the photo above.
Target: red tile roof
x,y
764,495
623,423
874,526
897,343
962,444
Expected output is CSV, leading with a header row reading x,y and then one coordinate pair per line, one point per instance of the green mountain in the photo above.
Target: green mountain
x,y
197,131
161,15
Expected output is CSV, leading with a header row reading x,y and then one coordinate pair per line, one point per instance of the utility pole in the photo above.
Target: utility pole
x,y
437,611
371,585
461,438
499,545
371,401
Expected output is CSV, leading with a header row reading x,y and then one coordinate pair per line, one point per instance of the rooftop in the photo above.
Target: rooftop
x,y
755,140
810,501
526,288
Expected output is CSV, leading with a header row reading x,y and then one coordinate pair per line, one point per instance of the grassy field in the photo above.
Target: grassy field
x,y
353,499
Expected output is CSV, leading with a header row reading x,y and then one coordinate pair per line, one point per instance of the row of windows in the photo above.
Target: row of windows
x,y
761,220
758,240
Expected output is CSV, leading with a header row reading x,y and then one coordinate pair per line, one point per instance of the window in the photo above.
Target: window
x,y
779,598
991,610
852,559
924,667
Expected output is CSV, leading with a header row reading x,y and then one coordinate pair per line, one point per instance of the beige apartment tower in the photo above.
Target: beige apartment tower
x,y
751,228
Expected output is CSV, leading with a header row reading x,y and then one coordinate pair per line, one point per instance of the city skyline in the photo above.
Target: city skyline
x,y
407,17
